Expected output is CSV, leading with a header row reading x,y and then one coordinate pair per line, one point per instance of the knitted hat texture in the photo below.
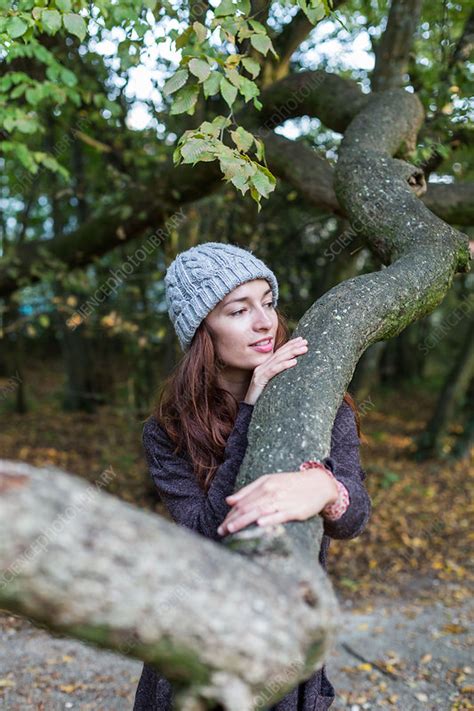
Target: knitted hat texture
x,y
202,276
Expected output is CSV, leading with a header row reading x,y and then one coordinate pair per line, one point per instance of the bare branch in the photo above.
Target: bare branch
x,y
393,51
452,202
290,38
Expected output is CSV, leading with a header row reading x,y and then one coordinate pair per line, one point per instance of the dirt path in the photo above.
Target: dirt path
x,y
409,653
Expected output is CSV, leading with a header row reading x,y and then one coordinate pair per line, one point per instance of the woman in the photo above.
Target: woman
x,y
222,302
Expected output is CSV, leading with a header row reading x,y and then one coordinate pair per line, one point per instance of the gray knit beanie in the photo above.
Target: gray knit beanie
x,y
202,276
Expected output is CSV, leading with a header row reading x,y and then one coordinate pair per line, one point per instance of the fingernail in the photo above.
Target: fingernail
x,y
231,526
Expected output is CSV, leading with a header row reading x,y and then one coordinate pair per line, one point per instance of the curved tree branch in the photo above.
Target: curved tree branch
x,y
332,99
303,168
313,176
392,53
453,202
83,563
423,254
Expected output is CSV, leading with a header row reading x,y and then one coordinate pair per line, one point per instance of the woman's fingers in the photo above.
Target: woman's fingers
x,y
299,347
246,489
244,519
272,519
252,501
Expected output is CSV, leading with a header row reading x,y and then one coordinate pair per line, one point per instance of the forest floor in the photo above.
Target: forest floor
x,y
405,584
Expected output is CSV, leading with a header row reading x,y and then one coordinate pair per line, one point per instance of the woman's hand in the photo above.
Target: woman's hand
x,y
280,497
284,357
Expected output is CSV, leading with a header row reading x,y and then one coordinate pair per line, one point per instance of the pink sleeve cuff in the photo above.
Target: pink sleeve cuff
x,y
339,507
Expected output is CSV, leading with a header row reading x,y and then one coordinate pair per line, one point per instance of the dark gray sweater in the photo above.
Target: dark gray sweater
x,y
203,512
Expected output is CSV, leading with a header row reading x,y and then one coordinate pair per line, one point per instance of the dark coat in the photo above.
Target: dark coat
x,y
204,512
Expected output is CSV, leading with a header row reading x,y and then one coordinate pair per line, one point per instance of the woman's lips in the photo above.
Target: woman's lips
x,y
264,348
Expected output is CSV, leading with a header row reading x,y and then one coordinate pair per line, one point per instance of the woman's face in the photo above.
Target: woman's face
x,y
244,316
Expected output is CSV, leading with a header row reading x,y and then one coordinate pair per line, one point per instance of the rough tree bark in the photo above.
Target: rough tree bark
x,y
392,53
82,562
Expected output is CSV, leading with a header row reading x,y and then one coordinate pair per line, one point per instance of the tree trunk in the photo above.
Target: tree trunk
x,y
462,447
454,389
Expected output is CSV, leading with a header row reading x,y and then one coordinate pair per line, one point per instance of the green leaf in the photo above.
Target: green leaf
x,y
230,166
226,7
18,91
221,121
261,43
199,68
208,129
26,159
315,12
185,100
201,31
263,181
183,38
248,89
68,77
16,27
233,76
260,149
194,150
51,163
212,84
9,123
240,181
252,66
244,32
51,20
26,124
256,196
258,27
176,81
75,24
228,91
33,95
63,5
242,139
244,6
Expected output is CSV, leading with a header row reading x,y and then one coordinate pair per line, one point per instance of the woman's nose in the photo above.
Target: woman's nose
x,y
262,319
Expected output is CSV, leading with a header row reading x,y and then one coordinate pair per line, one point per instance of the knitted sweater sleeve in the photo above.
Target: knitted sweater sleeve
x,y
176,482
344,462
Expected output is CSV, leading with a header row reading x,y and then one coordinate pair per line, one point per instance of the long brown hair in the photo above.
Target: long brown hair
x,y
196,413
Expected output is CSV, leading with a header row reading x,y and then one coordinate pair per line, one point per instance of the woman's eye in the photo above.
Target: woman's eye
x,y
270,303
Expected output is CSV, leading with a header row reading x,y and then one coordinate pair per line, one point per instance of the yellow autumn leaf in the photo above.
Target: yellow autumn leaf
x,y
452,628
69,688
